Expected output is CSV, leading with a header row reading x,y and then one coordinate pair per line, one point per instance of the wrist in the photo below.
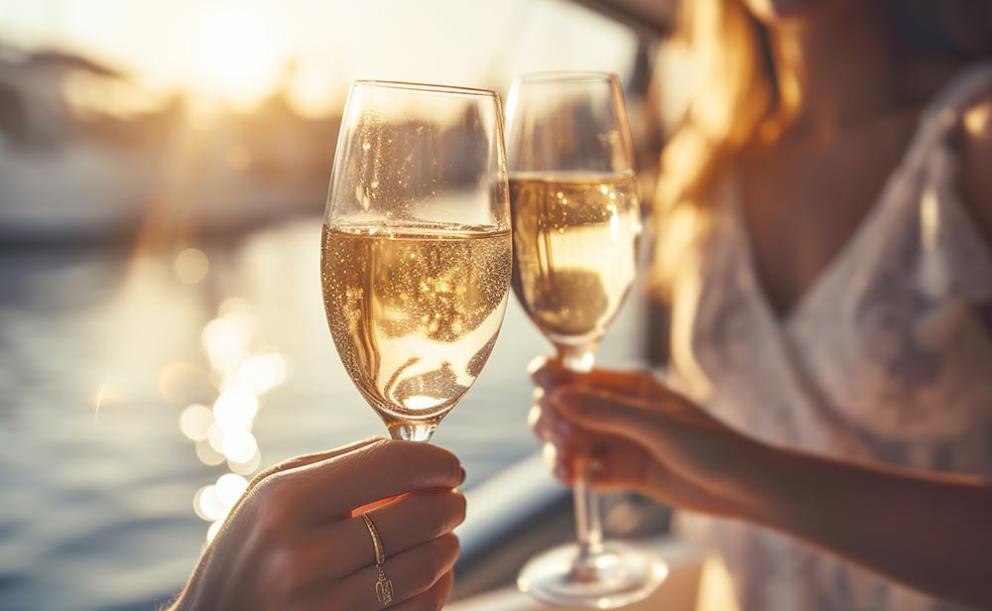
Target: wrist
x,y
764,490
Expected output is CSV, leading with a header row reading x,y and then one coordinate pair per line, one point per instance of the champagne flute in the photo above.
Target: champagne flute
x,y
576,227
416,249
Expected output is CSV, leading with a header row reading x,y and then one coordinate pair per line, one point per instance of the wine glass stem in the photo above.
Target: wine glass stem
x,y
412,431
588,524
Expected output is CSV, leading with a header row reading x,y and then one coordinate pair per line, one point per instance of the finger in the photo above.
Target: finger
x,y
549,374
412,573
432,599
612,414
547,423
300,461
552,427
607,466
308,459
380,470
346,546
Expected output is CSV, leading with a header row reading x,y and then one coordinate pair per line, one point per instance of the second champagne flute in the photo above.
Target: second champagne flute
x,y
576,226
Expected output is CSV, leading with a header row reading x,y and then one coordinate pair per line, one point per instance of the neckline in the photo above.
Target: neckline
x,y
836,260
931,122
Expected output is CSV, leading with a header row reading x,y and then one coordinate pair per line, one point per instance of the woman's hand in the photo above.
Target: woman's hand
x,y
292,542
628,431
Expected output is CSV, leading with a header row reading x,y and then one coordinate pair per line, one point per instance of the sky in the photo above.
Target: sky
x,y
234,52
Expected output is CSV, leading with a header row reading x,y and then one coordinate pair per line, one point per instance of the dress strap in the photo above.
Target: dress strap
x,y
943,114
955,257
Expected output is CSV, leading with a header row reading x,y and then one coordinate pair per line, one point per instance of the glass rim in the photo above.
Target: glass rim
x,y
568,76
426,87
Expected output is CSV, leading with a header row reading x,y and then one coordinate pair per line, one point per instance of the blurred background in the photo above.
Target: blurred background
x,y
163,168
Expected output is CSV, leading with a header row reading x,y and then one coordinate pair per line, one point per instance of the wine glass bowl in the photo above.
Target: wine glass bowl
x,y
416,247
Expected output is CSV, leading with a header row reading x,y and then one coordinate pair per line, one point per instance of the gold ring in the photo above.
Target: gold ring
x,y
383,586
380,555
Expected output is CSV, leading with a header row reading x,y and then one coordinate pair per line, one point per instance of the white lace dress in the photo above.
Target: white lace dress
x,y
887,358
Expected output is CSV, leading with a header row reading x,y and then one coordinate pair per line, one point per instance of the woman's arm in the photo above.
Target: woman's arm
x,y
929,531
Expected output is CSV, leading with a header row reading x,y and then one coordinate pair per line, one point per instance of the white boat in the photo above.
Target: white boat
x,y
66,176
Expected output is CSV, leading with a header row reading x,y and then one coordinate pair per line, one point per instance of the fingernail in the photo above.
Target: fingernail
x,y
463,476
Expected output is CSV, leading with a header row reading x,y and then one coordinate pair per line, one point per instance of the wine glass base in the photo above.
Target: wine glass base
x,y
617,576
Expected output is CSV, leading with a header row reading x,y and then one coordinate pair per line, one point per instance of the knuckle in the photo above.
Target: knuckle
x,y
381,449
449,513
437,524
422,462
423,572
273,504
339,604
436,557
449,546
461,508
334,603
283,569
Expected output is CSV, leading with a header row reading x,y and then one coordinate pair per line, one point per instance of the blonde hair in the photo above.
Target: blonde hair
x,y
733,92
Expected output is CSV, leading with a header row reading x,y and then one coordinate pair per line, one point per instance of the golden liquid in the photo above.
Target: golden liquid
x,y
414,312
574,251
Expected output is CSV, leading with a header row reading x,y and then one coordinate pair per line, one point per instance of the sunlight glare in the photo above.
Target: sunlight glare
x,y
239,57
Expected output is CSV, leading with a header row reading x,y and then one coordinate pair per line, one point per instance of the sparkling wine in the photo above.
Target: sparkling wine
x,y
574,251
414,311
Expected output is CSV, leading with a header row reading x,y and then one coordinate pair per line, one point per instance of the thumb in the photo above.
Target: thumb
x,y
606,413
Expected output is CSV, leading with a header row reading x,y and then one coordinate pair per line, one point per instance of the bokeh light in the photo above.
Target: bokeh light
x,y
208,504
243,367
195,421
262,372
229,488
191,265
248,467
235,410
239,446
207,454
